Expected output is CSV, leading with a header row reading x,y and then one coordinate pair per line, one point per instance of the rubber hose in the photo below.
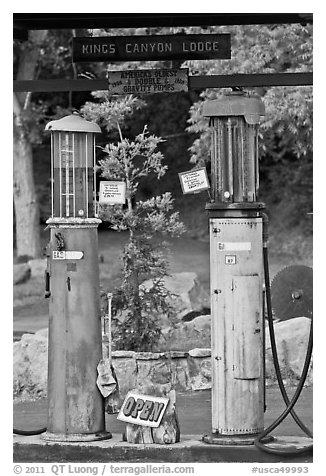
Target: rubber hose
x,y
273,343
289,404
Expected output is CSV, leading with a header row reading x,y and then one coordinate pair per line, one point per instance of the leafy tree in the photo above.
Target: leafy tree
x,y
25,112
265,49
41,57
286,132
148,222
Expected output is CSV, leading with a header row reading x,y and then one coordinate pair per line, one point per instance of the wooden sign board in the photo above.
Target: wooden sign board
x,y
112,193
148,81
145,410
151,48
194,181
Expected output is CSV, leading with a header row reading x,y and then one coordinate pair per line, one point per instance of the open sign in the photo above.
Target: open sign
x,y
145,410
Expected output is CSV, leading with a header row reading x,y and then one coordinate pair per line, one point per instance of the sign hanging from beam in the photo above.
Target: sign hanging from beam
x,y
151,48
148,81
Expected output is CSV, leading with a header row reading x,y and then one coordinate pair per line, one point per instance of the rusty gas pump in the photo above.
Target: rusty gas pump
x,y
75,405
236,270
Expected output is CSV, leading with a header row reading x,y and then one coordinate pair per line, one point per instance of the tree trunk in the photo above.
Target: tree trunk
x,y
27,217
25,199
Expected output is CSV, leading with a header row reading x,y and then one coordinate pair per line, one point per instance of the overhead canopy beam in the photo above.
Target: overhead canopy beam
x,y
195,82
22,22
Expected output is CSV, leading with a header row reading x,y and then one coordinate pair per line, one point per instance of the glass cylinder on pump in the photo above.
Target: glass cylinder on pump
x,y
73,167
234,150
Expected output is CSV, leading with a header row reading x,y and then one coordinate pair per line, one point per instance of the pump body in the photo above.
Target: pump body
x,y
76,407
236,271
237,325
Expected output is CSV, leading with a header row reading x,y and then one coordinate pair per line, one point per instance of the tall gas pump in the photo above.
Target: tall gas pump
x,y
236,270
75,405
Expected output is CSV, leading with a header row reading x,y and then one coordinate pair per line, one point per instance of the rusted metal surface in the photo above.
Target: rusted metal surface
x,y
76,407
237,326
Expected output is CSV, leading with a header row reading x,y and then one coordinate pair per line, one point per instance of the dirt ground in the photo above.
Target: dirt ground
x,y
194,413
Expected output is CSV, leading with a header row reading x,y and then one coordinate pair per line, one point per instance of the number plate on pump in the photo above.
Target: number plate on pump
x,y
67,254
230,259
234,246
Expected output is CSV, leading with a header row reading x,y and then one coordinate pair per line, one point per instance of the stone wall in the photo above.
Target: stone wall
x,y
188,371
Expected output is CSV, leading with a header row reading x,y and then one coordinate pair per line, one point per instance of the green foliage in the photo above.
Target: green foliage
x,y
108,112
287,128
148,222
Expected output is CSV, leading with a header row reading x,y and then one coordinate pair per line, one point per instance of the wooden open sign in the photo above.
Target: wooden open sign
x,y
145,410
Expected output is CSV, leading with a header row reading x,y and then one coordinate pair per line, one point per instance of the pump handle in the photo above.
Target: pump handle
x,y
47,293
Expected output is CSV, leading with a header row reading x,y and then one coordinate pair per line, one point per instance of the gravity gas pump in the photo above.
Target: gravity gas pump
x,y
236,270
75,405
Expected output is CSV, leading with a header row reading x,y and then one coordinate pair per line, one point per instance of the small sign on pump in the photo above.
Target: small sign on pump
x,y
194,181
112,193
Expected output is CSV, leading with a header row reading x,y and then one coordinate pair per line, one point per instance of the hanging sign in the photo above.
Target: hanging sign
x,y
151,48
145,410
112,193
194,181
148,81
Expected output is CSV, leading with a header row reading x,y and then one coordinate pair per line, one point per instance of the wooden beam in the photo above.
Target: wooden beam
x,y
48,21
195,82
250,80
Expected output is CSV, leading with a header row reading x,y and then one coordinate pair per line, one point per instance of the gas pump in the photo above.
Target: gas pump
x,y
75,405
236,270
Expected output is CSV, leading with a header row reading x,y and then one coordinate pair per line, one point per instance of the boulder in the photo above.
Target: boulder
x,y
22,273
291,341
187,335
30,364
38,267
187,294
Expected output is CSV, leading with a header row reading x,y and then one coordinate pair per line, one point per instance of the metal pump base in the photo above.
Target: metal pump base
x,y
75,437
233,440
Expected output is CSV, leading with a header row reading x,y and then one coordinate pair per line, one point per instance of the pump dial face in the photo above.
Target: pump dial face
x,y
292,292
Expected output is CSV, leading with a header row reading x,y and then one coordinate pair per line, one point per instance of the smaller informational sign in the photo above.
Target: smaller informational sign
x,y
112,193
194,181
148,81
234,246
67,254
230,259
145,410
